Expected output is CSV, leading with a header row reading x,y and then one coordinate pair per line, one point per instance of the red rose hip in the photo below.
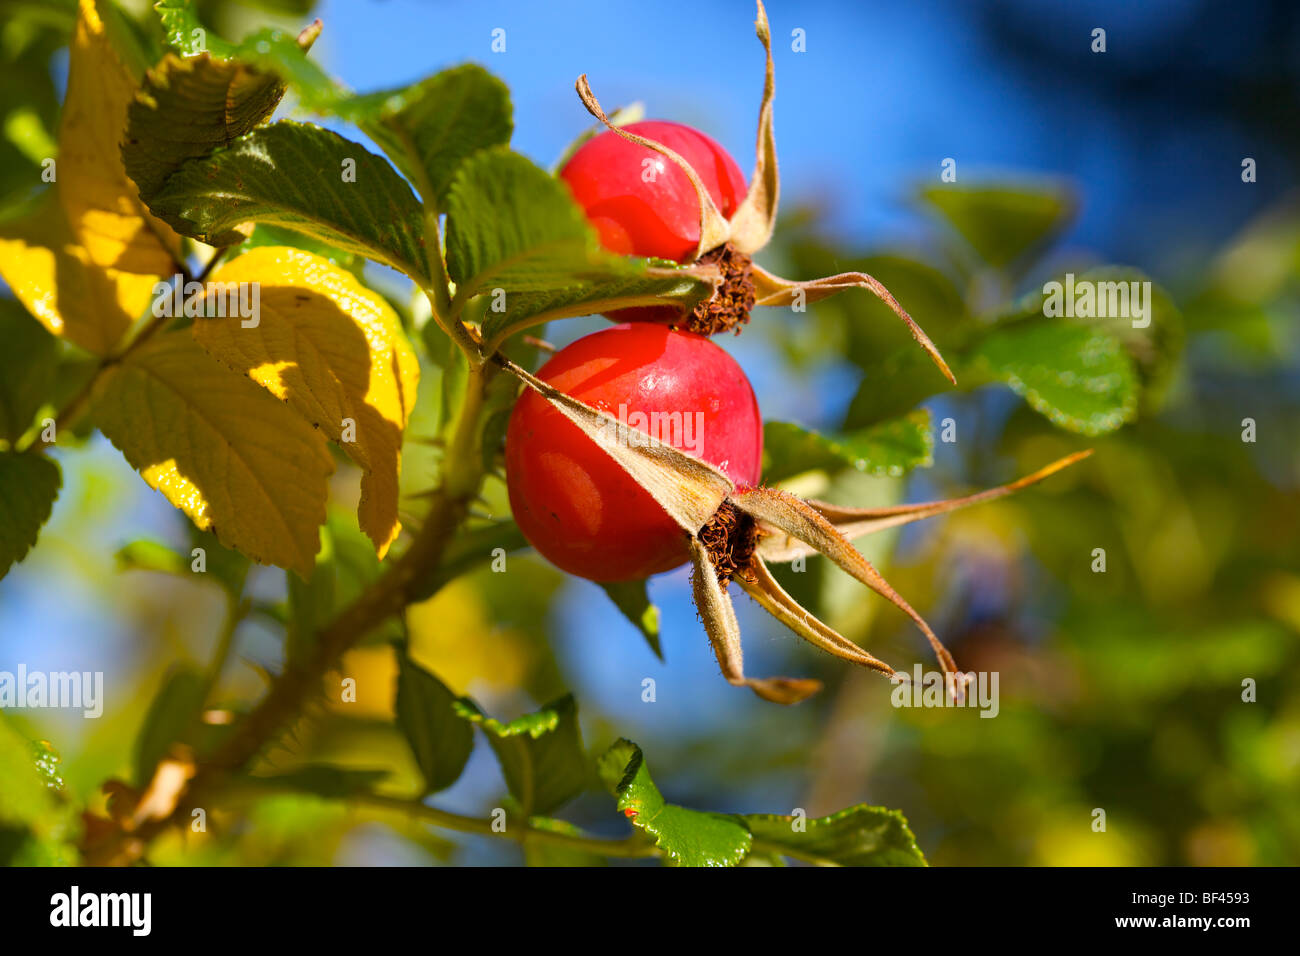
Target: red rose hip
x,y
572,501
641,202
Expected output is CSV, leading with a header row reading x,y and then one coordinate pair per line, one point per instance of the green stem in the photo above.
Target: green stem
x,y
236,611
631,847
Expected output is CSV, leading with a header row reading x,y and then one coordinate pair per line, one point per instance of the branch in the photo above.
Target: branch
x,y
631,847
386,596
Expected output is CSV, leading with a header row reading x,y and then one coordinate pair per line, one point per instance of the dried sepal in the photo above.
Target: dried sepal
x,y
714,228
768,593
854,523
753,222
784,512
719,617
773,290
688,489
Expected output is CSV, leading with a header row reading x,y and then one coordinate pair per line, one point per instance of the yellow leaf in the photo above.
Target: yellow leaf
x,y
335,352
85,263
232,458
102,205
53,277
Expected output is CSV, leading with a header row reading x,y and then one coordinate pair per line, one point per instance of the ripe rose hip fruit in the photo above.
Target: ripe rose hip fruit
x,y
573,502
639,201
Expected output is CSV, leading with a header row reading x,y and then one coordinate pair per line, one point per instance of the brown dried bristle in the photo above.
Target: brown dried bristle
x,y
730,307
730,537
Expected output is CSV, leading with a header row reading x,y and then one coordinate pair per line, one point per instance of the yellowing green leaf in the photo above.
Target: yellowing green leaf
x,y
85,262
189,107
57,282
336,353
229,455
101,203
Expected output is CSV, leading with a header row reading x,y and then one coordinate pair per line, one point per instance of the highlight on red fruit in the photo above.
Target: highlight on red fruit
x,y
573,502
640,202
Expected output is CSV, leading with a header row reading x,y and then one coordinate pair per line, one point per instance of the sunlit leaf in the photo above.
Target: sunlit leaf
x,y
102,205
221,449
430,128
186,108
686,837
858,836
512,226
336,353
889,448
541,754
58,282
1079,377
301,177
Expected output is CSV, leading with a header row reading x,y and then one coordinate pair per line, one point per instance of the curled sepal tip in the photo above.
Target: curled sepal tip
x,y
771,289
784,512
714,228
753,222
854,523
760,585
719,617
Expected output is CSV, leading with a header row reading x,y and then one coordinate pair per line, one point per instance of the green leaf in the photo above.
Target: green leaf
x,y
687,837
426,713
1004,224
634,602
27,366
858,836
1078,376
430,128
187,108
148,555
170,718
29,483
292,175
33,824
1154,345
618,290
512,226
427,128
541,754
897,383
186,33
890,448
228,568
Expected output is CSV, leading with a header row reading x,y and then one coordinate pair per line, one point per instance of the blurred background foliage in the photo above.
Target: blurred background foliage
x,y
1119,690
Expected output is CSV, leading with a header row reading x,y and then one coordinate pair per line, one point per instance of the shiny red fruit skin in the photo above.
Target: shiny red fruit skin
x,y
659,218
575,505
